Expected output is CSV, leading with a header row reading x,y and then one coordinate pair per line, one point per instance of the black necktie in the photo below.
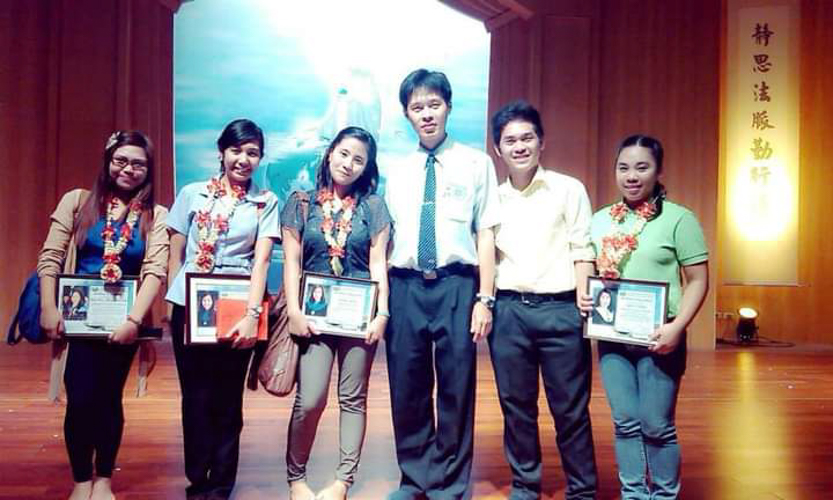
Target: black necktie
x,y
427,246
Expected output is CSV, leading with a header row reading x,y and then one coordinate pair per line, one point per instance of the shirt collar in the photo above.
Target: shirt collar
x,y
254,195
444,145
538,181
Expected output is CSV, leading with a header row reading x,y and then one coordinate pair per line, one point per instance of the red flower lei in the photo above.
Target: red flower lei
x,y
335,233
210,228
617,245
111,272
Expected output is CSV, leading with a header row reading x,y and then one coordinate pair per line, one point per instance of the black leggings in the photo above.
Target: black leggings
x,y
94,376
212,379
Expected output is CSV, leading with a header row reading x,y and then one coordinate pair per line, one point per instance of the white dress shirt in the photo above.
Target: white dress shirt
x,y
466,201
544,229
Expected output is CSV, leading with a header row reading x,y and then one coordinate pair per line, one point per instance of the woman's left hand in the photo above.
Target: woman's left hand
x,y
376,330
244,333
667,338
126,333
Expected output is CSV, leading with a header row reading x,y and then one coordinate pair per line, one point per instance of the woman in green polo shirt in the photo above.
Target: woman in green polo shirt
x,y
646,237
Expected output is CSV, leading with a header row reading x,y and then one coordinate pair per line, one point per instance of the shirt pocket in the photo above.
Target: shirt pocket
x,y
552,219
456,202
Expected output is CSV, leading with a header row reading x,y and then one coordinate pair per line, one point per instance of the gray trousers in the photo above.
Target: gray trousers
x,y
315,364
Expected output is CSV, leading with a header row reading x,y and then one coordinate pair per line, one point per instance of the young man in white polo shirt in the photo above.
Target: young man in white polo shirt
x,y
444,204
544,258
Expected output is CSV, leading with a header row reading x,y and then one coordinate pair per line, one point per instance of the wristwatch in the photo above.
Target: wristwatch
x,y
254,312
486,300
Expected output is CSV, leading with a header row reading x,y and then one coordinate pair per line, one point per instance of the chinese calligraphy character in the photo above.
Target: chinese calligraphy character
x,y
761,149
760,175
762,64
762,34
761,92
760,120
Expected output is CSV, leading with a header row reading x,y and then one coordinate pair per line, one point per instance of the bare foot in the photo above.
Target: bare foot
x,y
102,490
81,491
299,490
335,491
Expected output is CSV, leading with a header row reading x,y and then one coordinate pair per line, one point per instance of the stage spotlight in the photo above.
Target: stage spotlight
x,y
747,329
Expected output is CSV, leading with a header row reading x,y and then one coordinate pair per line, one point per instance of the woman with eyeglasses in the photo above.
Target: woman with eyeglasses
x,y
115,229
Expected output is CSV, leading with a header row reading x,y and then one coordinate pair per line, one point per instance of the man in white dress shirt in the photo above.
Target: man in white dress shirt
x,y
444,204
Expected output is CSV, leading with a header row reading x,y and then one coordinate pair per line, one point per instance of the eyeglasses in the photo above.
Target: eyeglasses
x,y
136,165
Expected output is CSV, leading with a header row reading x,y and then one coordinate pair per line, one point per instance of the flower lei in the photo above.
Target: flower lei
x,y
618,245
111,272
210,228
335,233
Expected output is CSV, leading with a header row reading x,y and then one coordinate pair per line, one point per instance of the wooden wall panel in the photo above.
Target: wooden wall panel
x,y
659,75
510,52
801,314
75,71
86,89
567,95
602,70
28,186
551,60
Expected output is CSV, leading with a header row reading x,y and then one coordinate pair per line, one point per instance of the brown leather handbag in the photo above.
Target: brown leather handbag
x,y
276,364
276,371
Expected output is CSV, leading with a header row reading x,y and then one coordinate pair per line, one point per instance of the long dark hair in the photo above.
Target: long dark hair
x,y
655,147
368,181
96,205
81,292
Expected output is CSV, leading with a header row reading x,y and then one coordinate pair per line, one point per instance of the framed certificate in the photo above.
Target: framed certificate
x,y
338,306
214,303
627,311
91,307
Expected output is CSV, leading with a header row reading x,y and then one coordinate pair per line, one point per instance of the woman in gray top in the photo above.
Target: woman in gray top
x,y
344,232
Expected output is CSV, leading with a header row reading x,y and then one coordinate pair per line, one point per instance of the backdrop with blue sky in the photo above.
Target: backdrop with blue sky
x,y
303,70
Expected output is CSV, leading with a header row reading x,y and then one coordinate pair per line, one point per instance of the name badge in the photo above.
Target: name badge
x,y
456,193
456,202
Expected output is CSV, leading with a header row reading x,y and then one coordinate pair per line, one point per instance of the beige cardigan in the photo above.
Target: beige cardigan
x,y
58,255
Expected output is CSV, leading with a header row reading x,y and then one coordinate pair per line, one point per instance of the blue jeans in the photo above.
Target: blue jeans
x,y
642,390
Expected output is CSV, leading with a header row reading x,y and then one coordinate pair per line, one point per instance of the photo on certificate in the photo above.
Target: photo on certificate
x,y
214,304
627,311
91,307
338,306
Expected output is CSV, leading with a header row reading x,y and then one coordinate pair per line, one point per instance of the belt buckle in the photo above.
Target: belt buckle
x,y
525,301
429,275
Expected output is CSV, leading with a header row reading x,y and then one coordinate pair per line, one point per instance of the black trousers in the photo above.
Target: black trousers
x,y
211,378
531,336
429,334
94,376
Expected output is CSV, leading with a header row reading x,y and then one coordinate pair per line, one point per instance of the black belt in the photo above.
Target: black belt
x,y
537,298
455,269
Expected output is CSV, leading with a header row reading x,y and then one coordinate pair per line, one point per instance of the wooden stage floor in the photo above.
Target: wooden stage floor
x,y
753,424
